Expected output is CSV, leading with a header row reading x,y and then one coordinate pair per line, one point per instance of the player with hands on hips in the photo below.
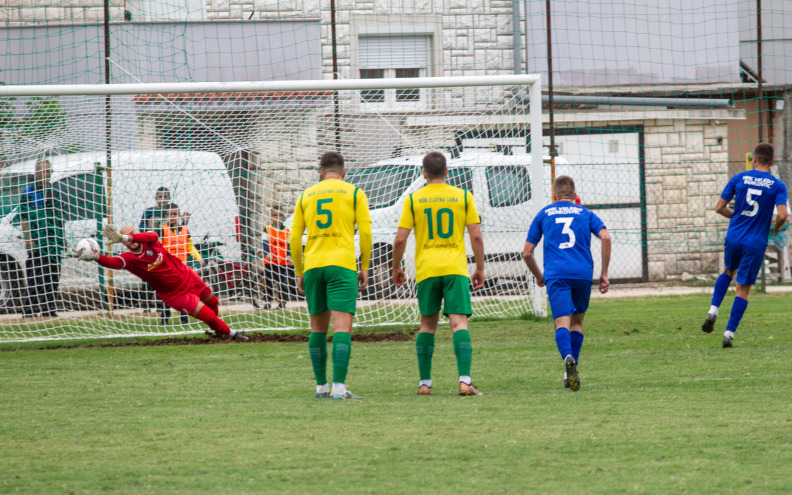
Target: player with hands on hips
x,y
568,267
175,283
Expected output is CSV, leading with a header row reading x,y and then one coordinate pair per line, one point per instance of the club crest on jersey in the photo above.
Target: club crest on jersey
x,y
149,252
156,262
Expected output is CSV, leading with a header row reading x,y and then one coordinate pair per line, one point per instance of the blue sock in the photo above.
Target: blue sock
x,y
738,308
563,341
577,343
721,287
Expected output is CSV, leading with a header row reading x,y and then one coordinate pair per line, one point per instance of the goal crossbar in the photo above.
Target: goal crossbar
x,y
265,86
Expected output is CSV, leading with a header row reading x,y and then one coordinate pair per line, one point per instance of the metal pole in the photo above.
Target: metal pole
x,y
336,116
759,96
759,99
108,144
525,18
516,36
550,92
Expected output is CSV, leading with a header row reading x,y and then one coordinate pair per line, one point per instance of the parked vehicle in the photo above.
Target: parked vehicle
x,y
501,186
91,191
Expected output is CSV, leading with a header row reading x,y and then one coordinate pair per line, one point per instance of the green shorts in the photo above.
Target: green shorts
x,y
454,290
330,287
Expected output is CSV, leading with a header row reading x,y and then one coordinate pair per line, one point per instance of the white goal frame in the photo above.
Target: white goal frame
x,y
532,81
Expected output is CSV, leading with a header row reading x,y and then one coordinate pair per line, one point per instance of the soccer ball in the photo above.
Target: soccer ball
x,y
87,249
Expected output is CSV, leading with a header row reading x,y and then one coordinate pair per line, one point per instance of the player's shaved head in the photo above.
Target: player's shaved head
x,y
434,164
564,187
332,162
763,153
130,244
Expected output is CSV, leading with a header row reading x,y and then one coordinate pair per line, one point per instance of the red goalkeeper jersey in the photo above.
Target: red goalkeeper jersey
x,y
164,272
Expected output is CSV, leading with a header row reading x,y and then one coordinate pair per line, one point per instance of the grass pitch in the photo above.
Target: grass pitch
x,y
662,409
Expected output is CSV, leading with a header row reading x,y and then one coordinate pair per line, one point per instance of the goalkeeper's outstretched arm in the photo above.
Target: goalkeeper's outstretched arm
x,y
112,262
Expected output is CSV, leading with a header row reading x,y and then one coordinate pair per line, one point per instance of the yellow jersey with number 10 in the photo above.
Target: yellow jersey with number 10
x,y
439,214
328,211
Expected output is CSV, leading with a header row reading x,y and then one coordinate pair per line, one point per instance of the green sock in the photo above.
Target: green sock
x,y
342,348
464,351
317,348
424,345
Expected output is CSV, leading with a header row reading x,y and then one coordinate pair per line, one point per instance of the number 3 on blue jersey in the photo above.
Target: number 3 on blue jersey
x,y
567,221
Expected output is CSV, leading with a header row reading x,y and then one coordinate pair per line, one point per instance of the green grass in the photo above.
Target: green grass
x,y
662,409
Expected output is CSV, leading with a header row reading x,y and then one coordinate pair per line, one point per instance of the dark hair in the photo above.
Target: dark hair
x,y
171,206
332,161
434,164
764,153
163,189
564,187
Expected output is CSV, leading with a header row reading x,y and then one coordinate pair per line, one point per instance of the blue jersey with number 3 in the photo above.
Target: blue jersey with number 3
x,y
755,194
567,230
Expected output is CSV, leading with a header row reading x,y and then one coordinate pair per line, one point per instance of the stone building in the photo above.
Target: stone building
x,y
683,155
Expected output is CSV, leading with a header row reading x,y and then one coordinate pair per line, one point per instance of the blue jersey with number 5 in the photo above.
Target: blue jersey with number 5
x,y
567,230
755,194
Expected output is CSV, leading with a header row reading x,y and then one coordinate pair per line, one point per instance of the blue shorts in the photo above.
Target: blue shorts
x,y
568,296
746,260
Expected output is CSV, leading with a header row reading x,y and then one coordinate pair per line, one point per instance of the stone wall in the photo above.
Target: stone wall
x,y
27,12
686,163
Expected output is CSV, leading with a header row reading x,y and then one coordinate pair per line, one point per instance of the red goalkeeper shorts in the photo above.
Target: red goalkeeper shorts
x,y
186,301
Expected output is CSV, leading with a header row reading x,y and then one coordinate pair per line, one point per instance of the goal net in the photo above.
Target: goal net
x,y
226,162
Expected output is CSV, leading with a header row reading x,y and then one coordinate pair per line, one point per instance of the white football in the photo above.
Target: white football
x,y
87,249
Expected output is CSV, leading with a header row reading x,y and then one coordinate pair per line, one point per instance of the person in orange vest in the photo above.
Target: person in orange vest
x,y
176,240
278,269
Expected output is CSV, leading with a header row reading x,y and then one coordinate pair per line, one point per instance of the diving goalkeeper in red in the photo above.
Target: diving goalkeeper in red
x,y
175,283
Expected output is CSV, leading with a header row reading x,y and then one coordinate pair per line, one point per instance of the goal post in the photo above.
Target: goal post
x,y
226,162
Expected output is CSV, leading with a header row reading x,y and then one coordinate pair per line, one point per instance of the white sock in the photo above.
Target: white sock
x,y
232,333
728,333
713,310
320,389
339,388
428,383
465,379
565,375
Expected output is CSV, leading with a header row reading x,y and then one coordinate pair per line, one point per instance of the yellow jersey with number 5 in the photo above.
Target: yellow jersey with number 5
x,y
329,211
439,213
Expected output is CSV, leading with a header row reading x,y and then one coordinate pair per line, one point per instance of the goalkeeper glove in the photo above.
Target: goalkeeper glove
x,y
88,255
113,236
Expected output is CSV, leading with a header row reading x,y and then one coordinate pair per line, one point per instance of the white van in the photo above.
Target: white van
x,y
501,186
198,181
